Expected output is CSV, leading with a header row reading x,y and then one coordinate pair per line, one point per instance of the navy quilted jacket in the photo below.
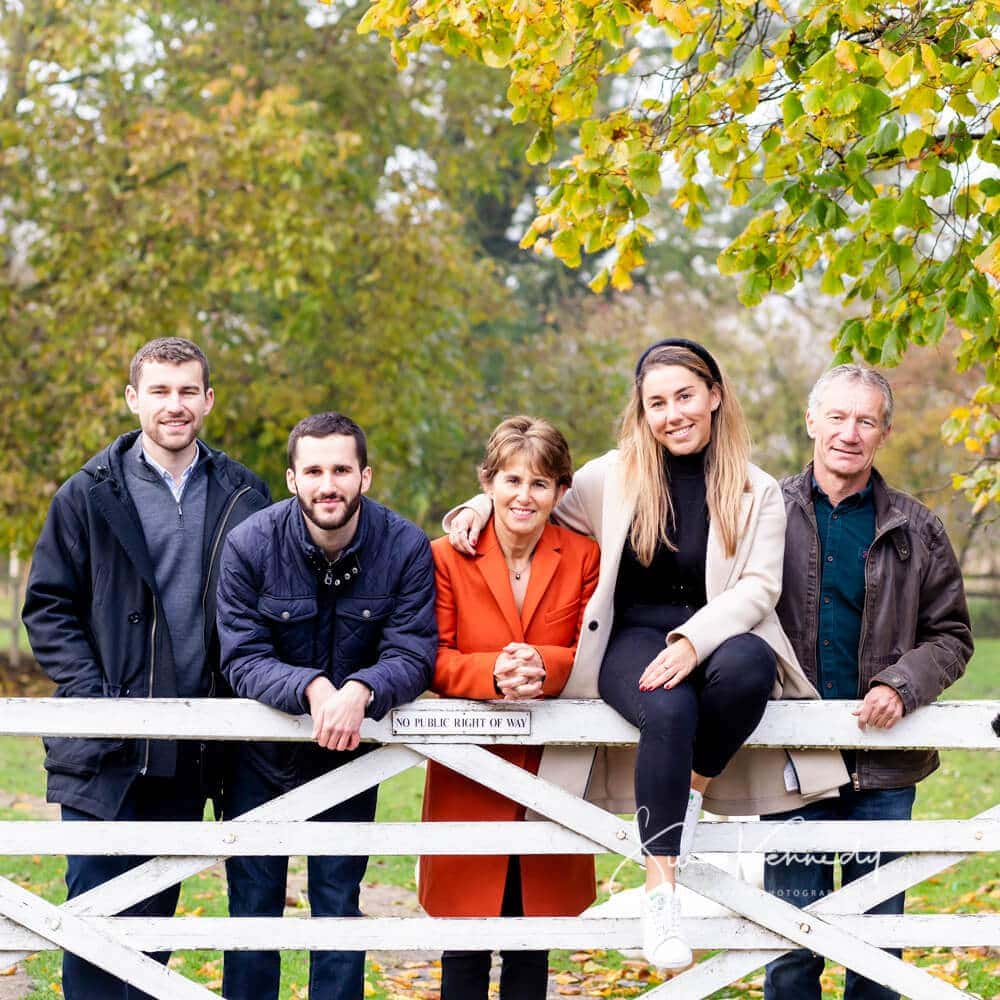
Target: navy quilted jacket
x,y
287,615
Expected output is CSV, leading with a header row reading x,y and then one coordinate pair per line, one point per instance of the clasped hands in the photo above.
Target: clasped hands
x,y
337,713
519,671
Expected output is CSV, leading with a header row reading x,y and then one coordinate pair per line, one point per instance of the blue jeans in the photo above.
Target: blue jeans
x,y
796,975
257,889
148,799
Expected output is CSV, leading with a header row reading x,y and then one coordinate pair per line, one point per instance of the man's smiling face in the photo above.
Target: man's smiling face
x,y
171,402
847,428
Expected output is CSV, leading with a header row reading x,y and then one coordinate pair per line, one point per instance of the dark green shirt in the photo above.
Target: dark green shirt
x,y
845,534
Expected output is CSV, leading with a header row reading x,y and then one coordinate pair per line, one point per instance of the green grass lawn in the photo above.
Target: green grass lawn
x,y
966,783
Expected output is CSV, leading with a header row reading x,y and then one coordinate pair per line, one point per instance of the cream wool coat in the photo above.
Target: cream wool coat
x,y
742,592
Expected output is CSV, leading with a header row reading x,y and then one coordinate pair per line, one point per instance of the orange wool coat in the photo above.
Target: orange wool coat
x,y
477,617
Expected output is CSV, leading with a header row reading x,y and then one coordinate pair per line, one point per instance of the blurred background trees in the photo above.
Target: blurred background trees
x,y
340,235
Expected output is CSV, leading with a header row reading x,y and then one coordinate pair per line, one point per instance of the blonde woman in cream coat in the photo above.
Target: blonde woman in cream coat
x,y
680,635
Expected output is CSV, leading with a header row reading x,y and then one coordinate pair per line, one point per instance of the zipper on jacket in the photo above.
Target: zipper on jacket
x,y
855,777
152,675
218,538
864,618
818,565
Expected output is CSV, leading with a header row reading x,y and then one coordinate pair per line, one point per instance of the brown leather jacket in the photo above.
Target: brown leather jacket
x,y
915,634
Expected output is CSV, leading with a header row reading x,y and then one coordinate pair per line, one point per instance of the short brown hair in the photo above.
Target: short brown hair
x,y
537,441
321,425
173,350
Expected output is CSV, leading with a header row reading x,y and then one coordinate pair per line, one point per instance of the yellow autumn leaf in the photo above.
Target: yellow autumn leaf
x,y
930,60
988,262
675,14
845,57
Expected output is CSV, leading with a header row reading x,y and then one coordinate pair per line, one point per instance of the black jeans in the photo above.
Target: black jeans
x,y
167,799
697,725
524,975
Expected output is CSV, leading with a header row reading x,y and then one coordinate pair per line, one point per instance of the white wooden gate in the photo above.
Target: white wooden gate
x,y
454,733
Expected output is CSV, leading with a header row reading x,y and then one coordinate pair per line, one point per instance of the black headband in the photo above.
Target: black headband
x,y
690,345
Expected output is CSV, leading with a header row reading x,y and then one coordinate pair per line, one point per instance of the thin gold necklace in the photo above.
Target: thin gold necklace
x,y
517,574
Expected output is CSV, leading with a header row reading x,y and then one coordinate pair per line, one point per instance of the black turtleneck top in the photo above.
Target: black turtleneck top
x,y
673,577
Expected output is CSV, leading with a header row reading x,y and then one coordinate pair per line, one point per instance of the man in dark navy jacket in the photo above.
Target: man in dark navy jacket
x,y
121,604
326,606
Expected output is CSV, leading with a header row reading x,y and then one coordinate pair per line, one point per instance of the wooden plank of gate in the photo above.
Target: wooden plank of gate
x,y
268,838
523,933
105,950
307,800
719,971
943,725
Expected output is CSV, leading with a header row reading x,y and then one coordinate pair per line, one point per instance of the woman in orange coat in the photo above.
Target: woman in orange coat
x,y
508,621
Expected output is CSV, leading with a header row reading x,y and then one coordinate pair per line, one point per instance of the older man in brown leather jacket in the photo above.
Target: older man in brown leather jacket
x,y
874,605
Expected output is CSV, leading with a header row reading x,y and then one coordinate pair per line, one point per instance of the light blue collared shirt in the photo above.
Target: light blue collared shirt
x,y
176,486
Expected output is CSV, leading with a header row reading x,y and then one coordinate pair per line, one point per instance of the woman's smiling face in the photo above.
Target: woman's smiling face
x,y
522,498
678,406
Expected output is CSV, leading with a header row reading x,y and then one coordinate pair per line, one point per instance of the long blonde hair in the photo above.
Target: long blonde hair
x,y
644,468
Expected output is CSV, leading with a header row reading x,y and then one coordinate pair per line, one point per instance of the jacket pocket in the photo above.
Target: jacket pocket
x,y
286,610
366,609
567,613
80,758
359,628
292,621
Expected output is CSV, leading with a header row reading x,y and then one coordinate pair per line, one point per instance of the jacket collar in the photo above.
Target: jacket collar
x,y
349,558
888,516
491,563
112,502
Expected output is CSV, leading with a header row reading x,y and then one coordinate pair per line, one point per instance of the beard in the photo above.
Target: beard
x,y
333,520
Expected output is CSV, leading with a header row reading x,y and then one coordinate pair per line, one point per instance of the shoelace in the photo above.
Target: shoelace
x,y
666,914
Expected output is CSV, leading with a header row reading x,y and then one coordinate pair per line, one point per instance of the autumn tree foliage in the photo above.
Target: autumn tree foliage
x,y
219,171
863,136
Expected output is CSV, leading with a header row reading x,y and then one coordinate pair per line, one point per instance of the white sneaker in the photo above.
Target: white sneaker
x,y
691,816
663,941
